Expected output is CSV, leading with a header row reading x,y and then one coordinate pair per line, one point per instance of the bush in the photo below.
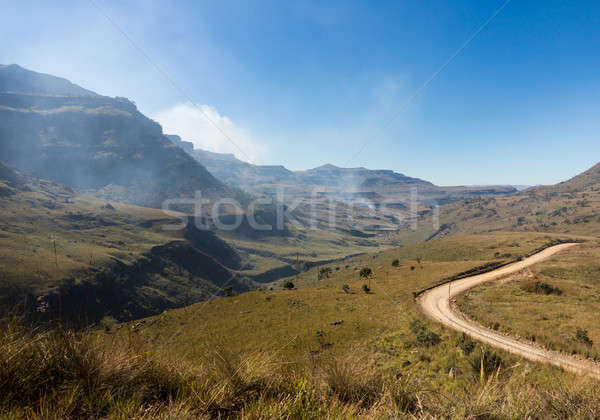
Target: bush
x,y
325,272
466,344
108,322
365,288
346,288
541,288
424,336
228,290
365,272
288,285
581,335
485,362
395,262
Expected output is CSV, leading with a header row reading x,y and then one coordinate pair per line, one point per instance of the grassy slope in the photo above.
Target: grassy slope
x,y
550,319
93,239
298,322
288,336
60,374
110,260
569,207
87,234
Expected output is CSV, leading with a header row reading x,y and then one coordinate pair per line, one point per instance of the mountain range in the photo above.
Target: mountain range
x,y
62,132
96,144
269,179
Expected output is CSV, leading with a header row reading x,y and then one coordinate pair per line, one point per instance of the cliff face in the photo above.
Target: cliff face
x,y
97,144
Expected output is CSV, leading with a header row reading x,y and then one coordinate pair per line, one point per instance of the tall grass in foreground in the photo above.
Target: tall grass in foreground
x,y
56,373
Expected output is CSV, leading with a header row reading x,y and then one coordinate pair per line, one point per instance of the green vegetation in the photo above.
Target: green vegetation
x,y
194,361
540,287
423,335
325,272
270,319
581,335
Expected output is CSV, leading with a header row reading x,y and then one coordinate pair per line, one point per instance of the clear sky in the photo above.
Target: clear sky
x,y
303,83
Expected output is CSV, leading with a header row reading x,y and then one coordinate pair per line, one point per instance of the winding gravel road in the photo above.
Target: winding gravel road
x,y
436,304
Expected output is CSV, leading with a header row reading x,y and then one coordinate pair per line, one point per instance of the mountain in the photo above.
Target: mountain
x,y
586,180
101,145
227,168
16,79
356,178
570,207
330,181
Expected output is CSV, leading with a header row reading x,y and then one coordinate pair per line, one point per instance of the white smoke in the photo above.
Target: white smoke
x,y
209,130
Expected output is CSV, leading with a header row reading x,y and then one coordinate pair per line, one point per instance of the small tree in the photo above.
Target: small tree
x,y
366,273
228,290
395,262
366,288
288,285
325,272
346,288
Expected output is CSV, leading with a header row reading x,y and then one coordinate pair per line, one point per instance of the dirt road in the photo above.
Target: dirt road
x,y
436,304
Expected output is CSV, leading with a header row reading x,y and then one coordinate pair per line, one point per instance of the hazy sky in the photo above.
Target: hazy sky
x,y
311,82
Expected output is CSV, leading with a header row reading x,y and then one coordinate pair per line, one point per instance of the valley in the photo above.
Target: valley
x,y
147,278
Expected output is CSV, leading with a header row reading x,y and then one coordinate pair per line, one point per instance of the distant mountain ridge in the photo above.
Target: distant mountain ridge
x,y
571,206
580,182
229,169
62,132
268,179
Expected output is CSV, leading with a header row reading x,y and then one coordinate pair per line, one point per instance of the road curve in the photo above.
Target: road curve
x,y
436,305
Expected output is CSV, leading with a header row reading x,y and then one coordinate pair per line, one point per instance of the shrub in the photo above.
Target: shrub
x,y
466,344
485,362
366,288
541,288
228,290
108,322
395,262
424,336
346,288
365,272
581,335
325,272
288,285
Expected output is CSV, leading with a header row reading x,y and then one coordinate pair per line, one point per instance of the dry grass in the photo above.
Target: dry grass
x,y
56,373
550,315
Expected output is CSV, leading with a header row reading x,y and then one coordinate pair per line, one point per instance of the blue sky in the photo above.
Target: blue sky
x,y
310,82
